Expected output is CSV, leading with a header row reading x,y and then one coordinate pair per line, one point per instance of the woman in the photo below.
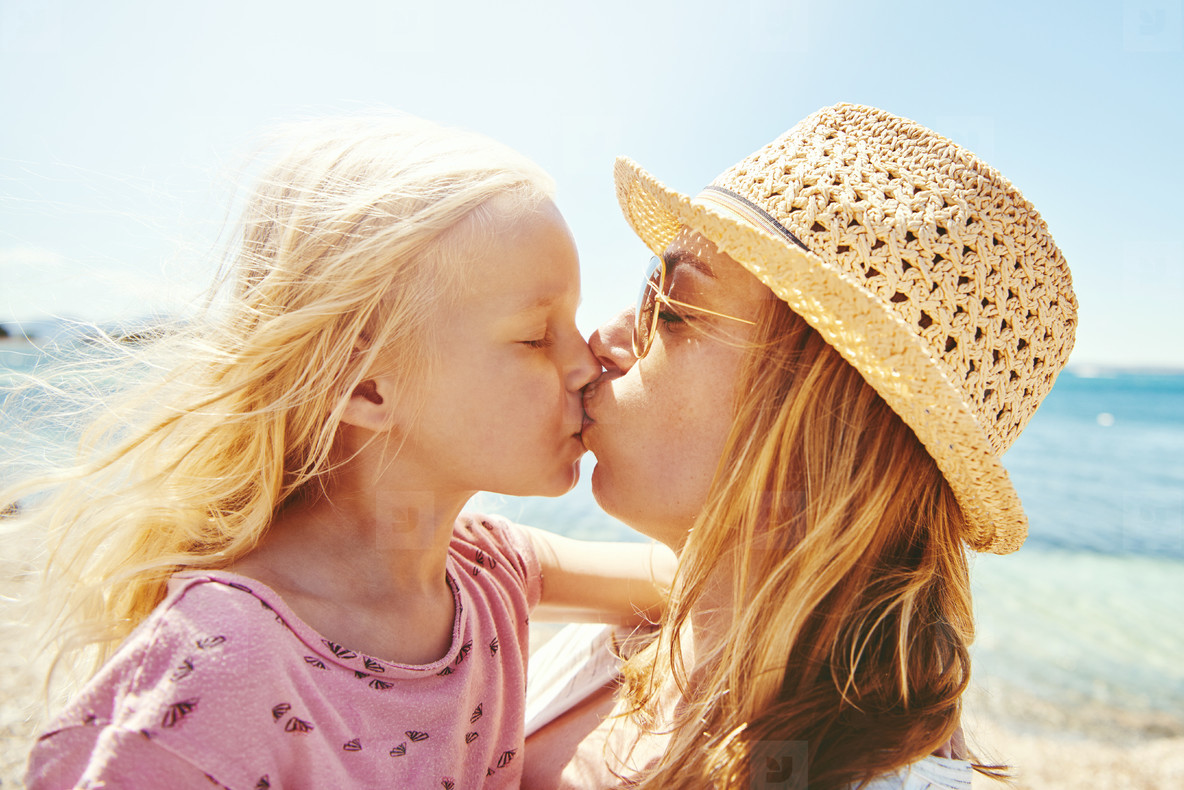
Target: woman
x,y
842,335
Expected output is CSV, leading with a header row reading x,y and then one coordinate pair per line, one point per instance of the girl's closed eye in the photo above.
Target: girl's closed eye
x,y
546,341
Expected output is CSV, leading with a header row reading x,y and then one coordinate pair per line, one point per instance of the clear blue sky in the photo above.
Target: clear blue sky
x,y
121,122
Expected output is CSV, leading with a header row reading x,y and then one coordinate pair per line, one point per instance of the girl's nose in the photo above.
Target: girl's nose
x,y
584,369
612,343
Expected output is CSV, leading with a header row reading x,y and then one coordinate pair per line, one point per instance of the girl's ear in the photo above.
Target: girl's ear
x,y
372,405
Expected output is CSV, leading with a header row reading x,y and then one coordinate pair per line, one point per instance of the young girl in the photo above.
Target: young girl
x,y
278,542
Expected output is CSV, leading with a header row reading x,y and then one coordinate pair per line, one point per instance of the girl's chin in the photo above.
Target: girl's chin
x,y
565,480
605,494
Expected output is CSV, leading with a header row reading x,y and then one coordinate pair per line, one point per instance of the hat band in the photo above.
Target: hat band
x,y
747,210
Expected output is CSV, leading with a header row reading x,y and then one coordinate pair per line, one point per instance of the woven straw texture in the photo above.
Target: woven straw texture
x,y
926,269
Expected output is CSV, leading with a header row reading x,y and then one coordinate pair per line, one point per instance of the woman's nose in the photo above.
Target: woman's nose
x,y
612,343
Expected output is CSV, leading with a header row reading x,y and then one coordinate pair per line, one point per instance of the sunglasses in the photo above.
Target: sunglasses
x,y
653,292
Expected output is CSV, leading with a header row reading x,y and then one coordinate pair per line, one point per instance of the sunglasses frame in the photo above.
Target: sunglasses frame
x,y
657,265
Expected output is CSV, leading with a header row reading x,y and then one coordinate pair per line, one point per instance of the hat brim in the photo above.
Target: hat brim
x,y
879,344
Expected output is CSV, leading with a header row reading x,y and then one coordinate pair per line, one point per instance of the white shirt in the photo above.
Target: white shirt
x,y
577,662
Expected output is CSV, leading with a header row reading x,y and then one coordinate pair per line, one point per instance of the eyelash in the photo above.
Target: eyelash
x,y
541,343
669,317
672,319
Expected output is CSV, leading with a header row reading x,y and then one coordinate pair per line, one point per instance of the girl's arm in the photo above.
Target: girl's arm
x,y
593,581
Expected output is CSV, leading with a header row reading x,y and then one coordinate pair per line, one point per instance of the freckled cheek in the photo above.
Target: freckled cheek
x,y
648,424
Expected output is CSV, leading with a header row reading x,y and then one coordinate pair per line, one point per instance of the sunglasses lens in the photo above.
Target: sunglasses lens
x,y
647,306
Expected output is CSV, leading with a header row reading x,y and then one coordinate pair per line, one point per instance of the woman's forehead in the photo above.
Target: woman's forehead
x,y
690,245
692,251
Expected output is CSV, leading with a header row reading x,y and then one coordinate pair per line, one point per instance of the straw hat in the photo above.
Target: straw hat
x,y
922,265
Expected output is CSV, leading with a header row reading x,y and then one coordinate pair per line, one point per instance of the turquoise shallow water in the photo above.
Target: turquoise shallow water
x,y
1101,466
1087,614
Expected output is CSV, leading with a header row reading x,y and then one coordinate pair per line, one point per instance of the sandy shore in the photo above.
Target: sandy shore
x,y
1048,747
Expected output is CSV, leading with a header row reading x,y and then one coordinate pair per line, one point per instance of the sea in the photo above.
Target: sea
x,y
1081,629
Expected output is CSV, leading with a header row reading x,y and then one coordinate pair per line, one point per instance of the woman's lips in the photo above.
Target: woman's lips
x,y
589,391
589,421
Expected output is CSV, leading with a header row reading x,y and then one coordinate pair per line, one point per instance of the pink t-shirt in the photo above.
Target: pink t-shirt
x,y
223,686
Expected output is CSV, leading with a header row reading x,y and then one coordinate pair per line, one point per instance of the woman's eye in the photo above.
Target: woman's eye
x,y
542,342
672,319
669,317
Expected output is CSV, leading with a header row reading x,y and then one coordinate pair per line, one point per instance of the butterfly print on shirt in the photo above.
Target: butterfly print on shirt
x,y
475,570
343,653
278,711
267,606
210,641
353,746
174,713
445,672
465,649
506,757
278,619
299,725
238,586
471,736
493,647
399,750
315,662
373,665
477,713
264,783
381,685
447,784
182,671
416,736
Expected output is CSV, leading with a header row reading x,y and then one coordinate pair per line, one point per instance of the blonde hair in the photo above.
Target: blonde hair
x,y
839,542
352,236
